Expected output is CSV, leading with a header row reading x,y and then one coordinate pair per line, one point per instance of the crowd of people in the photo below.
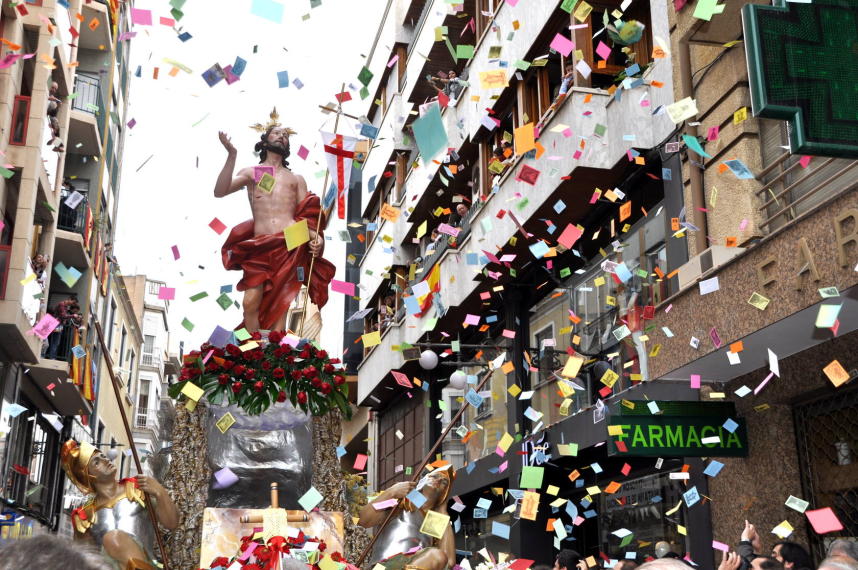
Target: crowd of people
x,y
842,554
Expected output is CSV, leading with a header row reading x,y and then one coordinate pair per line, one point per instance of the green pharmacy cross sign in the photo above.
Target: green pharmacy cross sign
x,y
803,68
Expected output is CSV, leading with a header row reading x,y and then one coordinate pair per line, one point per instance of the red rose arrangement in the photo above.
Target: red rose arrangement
x,y
256,554
256,378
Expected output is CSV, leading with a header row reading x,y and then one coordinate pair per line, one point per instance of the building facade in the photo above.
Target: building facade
x,y
157,367
577,238
63,118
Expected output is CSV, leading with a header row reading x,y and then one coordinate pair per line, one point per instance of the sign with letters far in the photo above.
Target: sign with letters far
x,y
681,429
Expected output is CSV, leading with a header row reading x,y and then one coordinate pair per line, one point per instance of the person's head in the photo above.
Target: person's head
x,y
498,152
792,555
838,563
274,140
46,551
766,563
567,559
436,486
54,87
435,234
625,565
390,300
451,74
664,564
86,466
570,67
462,209
841,547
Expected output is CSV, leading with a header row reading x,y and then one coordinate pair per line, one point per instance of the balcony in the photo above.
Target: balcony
x,y
92,36
152,360
147,419
88,115
19,308
51,374
72,225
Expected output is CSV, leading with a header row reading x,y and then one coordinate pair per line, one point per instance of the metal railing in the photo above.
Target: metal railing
x,y
59,346
153,360
440,248
790,189
146,419
88,97
72,219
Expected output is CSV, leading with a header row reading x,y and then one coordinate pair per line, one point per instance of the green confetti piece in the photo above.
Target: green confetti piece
x,y
198,296
224,301
189,326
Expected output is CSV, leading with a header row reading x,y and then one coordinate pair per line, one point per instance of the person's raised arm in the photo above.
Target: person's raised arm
x,y
226,184
370,517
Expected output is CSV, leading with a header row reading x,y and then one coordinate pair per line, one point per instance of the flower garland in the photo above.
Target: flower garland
x,y
256,554
256,376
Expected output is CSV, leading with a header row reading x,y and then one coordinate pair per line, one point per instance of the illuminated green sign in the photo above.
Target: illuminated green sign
x,y
802,68
701,429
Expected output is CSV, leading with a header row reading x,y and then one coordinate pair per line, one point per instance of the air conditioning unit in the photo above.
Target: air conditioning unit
x,y
704,262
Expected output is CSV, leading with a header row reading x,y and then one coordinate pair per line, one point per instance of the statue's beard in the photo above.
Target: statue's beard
x,y
276,148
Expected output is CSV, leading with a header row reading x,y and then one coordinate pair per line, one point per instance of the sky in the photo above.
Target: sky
x,y
169,200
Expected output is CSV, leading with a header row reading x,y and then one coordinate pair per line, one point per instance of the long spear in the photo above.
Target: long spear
x,y
392,513
130,436
339,111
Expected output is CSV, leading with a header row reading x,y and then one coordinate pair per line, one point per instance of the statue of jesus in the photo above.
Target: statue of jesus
x,y
273,275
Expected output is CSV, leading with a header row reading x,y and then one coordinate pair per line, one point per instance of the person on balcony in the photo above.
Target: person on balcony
x,y
451,86
386,312
54,104
40,265
68,313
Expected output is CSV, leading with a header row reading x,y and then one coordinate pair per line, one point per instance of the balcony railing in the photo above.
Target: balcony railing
x,y
72,219
59,347
153,360
440,248
146,419
88,98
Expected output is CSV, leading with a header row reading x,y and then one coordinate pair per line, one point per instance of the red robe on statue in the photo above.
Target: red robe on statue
x,y
266,261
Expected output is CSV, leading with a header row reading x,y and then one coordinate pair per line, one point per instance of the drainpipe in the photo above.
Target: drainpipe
x,y
695,174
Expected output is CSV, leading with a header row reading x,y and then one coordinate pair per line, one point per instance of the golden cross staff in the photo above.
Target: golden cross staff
x,y
327,211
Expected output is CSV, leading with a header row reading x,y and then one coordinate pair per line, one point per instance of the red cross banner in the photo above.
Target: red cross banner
x,y
339,153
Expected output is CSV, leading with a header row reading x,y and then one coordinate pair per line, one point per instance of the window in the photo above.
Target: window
x,y
143,403
486,10
153,288
110,324
20,121
604,72
123,338
547,358
148,344
31,477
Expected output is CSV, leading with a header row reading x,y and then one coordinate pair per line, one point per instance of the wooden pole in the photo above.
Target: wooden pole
x,y
392,513
130,436
319,221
